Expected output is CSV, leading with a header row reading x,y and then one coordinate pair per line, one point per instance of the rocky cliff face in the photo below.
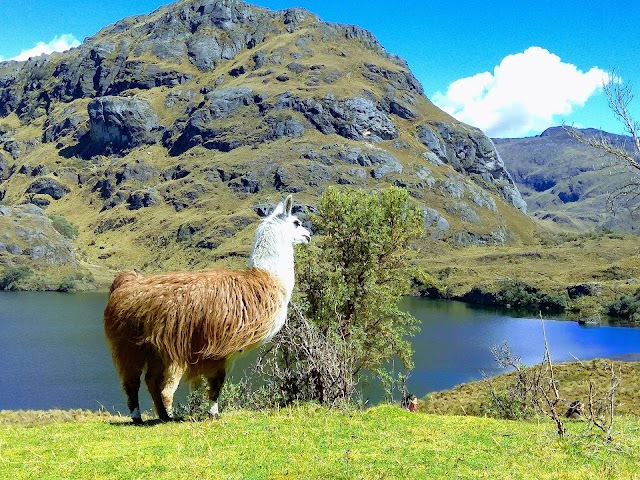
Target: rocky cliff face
x,y
171,130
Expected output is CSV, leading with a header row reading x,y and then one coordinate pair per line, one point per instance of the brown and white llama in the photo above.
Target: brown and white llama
x,y
194,324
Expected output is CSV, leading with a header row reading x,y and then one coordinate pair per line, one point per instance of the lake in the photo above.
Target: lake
x,y
53,353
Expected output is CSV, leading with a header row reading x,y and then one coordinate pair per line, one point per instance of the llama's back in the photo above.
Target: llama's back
x,y
191,316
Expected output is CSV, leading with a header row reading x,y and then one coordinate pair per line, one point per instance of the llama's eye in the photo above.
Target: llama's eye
x,y
296,223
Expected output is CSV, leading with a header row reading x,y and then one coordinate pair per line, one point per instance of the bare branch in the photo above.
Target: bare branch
x,y
551,403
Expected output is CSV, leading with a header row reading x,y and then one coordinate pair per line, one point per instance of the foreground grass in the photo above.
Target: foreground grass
x,y
311,442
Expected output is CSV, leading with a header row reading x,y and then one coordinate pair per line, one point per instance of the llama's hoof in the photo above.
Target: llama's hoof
x,y
136,421
214,416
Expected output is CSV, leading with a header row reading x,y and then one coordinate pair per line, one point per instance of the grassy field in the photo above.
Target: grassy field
x,y
310,442
552,263
573,384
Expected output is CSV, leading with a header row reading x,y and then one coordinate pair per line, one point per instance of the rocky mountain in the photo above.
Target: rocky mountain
x,y
568,183
163,136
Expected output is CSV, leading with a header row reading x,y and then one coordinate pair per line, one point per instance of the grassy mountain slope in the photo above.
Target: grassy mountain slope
x,y
161,137
567,183
573,384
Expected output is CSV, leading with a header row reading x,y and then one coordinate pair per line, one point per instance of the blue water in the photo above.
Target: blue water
x,y
454,344
53,353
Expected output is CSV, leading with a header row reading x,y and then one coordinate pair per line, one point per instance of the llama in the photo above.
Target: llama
x,y
195,324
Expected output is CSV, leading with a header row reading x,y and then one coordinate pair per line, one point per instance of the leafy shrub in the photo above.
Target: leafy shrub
x,y
518,294
77,282
197,407
627,306
234,396
508,405
518,400
346,319
12,277
586,307
63,226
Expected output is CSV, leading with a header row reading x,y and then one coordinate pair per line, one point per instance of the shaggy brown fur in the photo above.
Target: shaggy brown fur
x,y
186,323
189,317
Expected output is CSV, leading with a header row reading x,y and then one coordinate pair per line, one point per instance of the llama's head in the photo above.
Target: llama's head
x,y
290,226
276,235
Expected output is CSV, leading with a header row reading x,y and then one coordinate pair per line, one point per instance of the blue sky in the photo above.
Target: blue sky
x,y
510,68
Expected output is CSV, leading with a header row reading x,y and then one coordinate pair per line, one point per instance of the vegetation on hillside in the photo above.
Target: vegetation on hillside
x,y
579,273
572,378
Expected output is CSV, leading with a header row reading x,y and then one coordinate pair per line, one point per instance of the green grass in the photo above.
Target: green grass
x,y
573,384
311,442
551,263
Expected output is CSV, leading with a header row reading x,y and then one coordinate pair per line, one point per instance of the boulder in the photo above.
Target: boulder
x,y
117,124
200,127
70,123
434,222
584,290
48,186
141,199
28,232
6,168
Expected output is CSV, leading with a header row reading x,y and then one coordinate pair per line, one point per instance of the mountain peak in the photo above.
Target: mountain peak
x,y
170,129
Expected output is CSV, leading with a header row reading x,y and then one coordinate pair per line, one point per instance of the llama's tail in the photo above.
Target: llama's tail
x,y
124,277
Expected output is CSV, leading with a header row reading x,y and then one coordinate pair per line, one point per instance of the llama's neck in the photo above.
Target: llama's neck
x,y
271,254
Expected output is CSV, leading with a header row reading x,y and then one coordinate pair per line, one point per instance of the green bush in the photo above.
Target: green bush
x,y
508,405
63,226
77,282
350,278
627,306
197,407
12,277
520,295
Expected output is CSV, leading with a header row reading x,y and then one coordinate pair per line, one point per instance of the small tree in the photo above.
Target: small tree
x,y
350,279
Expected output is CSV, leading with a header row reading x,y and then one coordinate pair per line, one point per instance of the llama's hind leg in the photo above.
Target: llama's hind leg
x,y
216,381
129,360
131,386
155,380
172,376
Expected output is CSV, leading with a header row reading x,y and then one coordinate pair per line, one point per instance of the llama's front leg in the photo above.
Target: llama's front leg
x,y
216,382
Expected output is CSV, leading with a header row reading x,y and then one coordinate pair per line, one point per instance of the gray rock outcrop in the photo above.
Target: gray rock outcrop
x,y
122,123
471,152
48,186
28,232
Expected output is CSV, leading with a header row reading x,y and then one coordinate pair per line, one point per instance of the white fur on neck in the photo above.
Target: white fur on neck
x,y
274,255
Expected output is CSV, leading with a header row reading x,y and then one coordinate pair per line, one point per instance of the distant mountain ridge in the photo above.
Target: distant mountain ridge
x,y
567,182
163,135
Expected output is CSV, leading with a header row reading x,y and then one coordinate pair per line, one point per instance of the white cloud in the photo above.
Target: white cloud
x,y
58,44
525,94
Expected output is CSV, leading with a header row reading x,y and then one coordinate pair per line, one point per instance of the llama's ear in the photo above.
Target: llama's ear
x,y
278,211
288,205
283,209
